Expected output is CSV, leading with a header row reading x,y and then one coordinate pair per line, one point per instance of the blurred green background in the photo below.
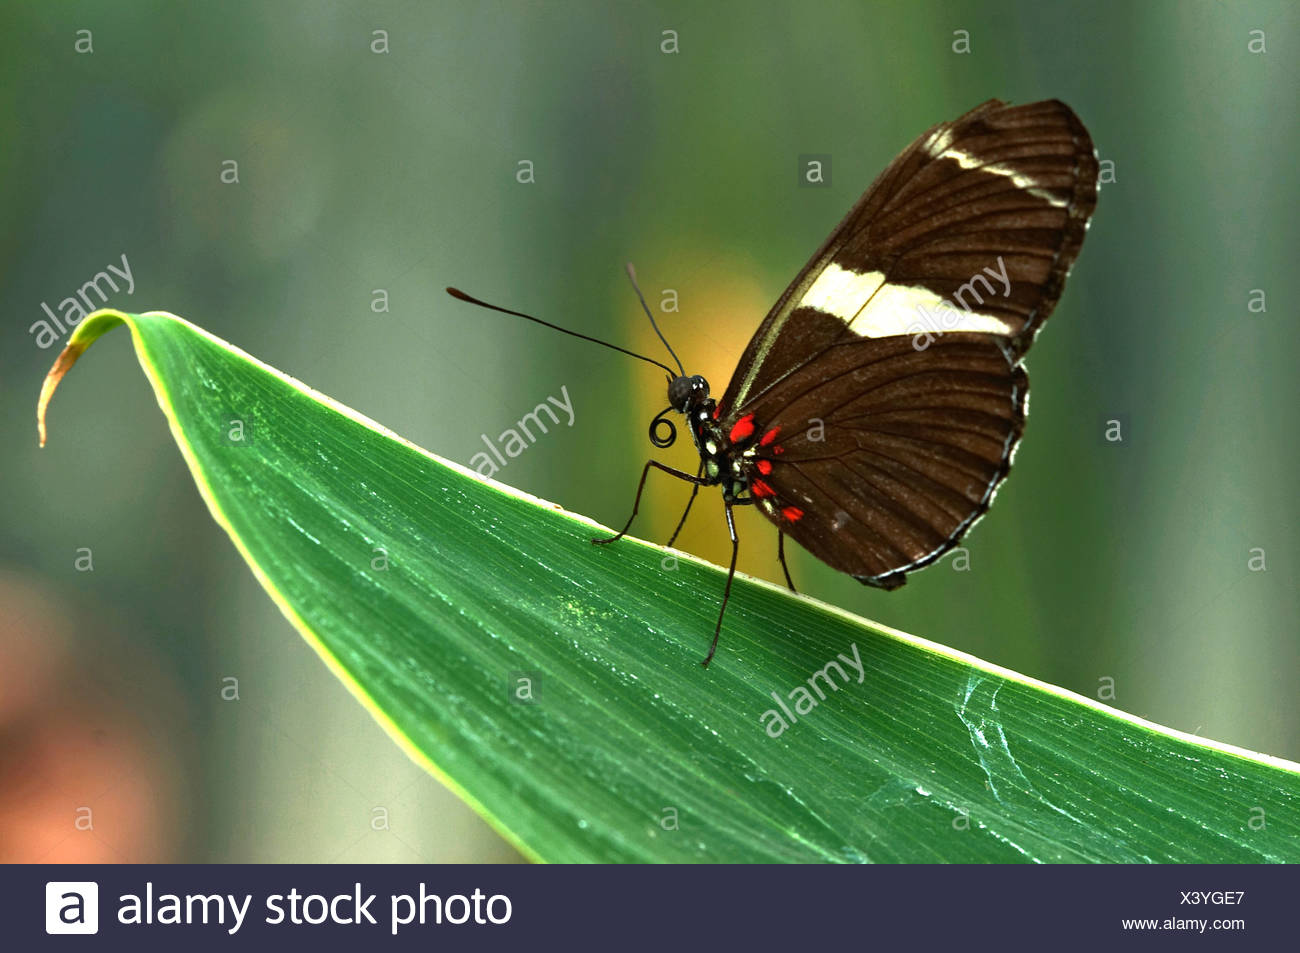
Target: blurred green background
x,y
390,161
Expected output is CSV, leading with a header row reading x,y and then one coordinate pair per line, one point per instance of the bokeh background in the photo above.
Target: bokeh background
x,y
391,160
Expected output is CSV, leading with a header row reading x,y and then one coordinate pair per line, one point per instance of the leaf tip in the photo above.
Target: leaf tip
x,y
61,366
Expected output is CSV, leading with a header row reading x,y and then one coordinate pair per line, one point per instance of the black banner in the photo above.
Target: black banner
x,y
191,907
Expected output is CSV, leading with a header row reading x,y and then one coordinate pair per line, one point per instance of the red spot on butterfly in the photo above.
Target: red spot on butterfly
x,y
743,428
769,436
778,449
792,513
760,488
717,412
764,467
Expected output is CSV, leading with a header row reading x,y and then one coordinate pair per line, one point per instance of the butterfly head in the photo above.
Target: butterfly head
x,y
687,392
687,395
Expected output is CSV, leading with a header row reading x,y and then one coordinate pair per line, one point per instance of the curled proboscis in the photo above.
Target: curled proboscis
x,y
658,437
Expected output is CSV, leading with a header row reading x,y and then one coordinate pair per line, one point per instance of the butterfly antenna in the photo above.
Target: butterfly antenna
x,y
457,293
631,274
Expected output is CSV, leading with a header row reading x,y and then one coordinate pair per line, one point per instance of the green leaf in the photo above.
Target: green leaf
x,y
426,590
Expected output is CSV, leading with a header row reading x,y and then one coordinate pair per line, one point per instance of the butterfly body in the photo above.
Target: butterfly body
x,y
735,455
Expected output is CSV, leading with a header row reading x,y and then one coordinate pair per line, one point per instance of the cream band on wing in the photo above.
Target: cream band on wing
x,y
939,148
874,308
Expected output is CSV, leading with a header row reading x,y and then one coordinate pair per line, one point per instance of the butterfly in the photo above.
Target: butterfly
x,y
878,406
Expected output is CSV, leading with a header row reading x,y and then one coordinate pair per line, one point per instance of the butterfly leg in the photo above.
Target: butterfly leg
x,y
780,555
726,593
698,481
694,490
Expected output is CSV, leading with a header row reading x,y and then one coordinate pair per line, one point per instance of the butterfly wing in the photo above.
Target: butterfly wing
x,y
882,455
973,227
889,370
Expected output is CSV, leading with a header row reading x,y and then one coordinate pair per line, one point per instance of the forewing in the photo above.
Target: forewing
x,y
973,227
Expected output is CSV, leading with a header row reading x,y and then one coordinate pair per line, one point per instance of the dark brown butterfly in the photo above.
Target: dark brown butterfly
x,y
879,404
